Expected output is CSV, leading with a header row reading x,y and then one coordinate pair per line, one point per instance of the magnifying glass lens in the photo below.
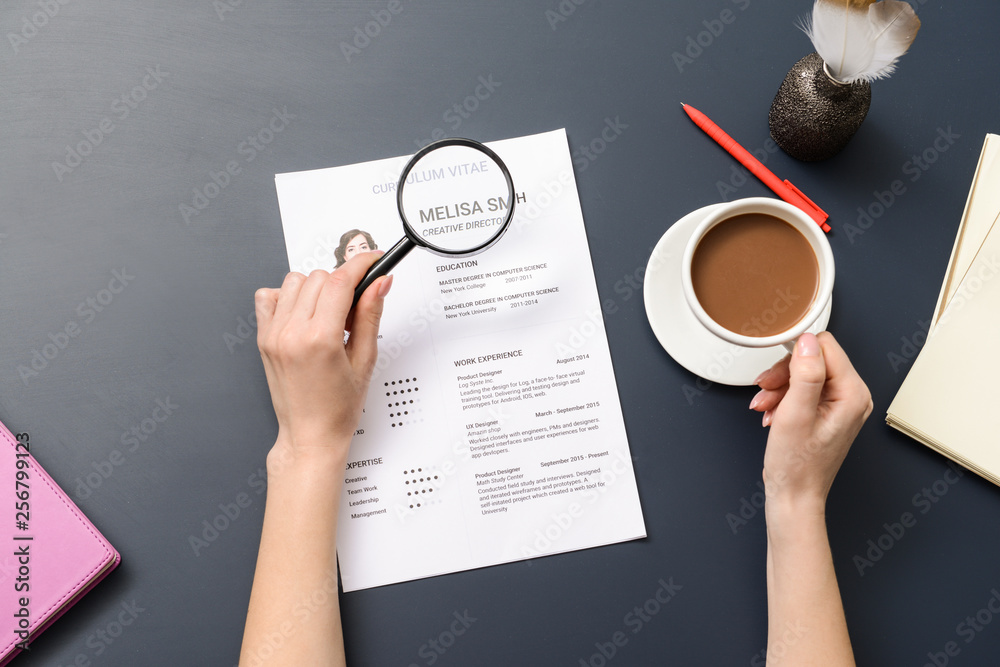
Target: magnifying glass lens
x,y
455,199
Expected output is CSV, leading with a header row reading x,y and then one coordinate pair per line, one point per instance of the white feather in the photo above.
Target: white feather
x,y
895,27
859,42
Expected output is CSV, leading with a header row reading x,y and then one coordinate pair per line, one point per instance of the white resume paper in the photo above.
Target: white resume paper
x,y
492,431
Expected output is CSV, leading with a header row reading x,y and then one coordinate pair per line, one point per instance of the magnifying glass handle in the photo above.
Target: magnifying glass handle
x,y
383,265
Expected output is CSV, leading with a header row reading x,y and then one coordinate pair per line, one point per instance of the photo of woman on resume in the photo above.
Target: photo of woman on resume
x,y
353,242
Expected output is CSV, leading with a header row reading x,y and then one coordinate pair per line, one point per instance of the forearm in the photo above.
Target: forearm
x,y
294,612
806,624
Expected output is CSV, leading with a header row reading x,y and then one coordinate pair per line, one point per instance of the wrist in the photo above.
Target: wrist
x,y
787,495
292,456
794,517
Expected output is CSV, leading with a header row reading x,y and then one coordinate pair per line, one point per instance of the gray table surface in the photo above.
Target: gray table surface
x,y
172,92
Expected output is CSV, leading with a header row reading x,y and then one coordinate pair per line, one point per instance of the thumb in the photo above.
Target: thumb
x,y
265,302
808,375
363,343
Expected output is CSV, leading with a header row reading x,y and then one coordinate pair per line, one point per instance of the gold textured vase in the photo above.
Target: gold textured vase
x,y
813,116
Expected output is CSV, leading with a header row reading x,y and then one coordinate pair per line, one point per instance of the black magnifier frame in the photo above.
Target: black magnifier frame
x,y
411,239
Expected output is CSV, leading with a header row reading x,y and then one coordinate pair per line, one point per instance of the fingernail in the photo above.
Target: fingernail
x,y
760,378
383,289
756,399
808,346
766,419
379,252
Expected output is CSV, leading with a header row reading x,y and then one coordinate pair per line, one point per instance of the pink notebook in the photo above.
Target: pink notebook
x,y
50,554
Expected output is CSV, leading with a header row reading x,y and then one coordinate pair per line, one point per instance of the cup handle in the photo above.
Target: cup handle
x,y
790,346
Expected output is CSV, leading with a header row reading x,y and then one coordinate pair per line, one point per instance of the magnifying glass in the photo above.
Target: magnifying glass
x,y
455,198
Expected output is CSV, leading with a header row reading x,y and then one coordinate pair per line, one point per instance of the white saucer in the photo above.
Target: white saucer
x,y
681,334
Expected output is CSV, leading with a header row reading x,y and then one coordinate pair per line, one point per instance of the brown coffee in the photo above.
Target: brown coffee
x,y
755,274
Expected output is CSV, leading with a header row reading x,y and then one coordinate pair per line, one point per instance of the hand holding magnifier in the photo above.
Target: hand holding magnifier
x,y
455,198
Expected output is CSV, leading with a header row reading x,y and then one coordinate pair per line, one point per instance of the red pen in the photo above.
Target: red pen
x,y
783,189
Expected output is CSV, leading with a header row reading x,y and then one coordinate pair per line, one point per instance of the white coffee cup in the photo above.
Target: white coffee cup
x,y
800,221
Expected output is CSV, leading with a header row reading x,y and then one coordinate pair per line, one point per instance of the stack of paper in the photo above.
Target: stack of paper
x,y
947,401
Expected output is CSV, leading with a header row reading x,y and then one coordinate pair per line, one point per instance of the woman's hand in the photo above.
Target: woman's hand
x,y
318,383
815,403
